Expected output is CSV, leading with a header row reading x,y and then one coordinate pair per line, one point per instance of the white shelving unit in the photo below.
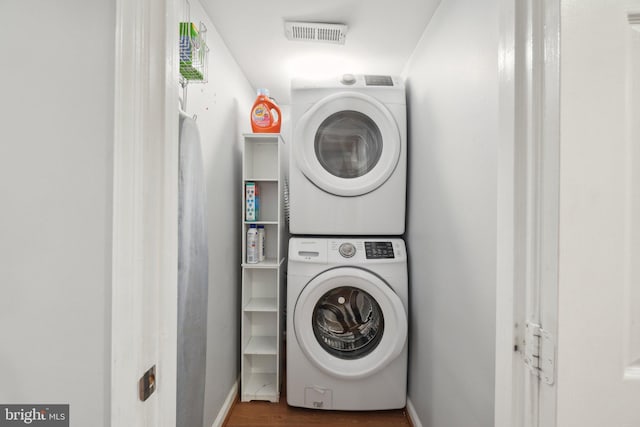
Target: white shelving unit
x,y
263,283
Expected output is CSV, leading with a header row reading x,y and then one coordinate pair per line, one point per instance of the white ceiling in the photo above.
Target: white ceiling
x,y
381,37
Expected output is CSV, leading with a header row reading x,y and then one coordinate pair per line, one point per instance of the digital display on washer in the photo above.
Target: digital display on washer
x,y
378,80
377,250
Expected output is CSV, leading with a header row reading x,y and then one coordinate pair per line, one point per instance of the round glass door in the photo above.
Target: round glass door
x,y
349,323
347,144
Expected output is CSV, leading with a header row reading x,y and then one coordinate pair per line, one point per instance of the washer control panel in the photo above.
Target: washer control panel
x,y
377,250
378,80
349,251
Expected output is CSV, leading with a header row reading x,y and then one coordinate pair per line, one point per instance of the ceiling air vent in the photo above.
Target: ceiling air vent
x,y
316,32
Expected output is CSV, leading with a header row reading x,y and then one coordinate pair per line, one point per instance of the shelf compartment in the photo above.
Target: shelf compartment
x,y
268,194
259,378
259,324
259,364
262,345
260,387
271,236
261,158
262,304
260,283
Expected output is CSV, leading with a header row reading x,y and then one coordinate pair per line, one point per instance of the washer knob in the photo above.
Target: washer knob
x,y
348,79
347,250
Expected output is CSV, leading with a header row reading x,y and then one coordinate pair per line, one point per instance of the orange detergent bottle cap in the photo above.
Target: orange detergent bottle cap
x,y
265,114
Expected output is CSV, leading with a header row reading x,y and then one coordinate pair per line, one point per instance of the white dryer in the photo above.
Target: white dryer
x,y
348,156
347,302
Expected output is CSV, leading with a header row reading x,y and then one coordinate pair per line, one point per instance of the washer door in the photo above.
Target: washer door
x,y
348,144
349,322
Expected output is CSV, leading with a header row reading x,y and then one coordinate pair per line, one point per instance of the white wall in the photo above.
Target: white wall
x,y
222,106
56,137
452,100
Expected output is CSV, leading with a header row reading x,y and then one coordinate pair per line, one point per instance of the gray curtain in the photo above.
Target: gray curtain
x,y
193,270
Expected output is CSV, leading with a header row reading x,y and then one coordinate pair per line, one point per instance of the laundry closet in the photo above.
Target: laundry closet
x,y
450,158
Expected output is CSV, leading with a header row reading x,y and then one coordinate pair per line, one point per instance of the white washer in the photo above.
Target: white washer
x,y
347,302
348,156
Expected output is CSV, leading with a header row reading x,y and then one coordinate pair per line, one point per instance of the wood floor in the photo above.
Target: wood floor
x,y
265,414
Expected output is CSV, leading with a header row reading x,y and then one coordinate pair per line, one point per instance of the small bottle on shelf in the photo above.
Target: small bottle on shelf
x,y
252,245
261,243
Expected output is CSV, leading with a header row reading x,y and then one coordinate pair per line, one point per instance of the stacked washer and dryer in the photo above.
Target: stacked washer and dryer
x,y
347,289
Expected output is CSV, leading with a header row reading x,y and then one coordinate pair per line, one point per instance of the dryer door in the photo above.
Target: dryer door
x,y
348,144
349,322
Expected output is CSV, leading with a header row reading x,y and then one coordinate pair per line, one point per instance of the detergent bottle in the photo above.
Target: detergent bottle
x,y
265,114
252,245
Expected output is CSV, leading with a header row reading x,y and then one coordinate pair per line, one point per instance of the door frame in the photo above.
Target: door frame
x,y
144,267
145,211
528,204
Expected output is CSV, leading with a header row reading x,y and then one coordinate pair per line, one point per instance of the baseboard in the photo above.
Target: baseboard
x,y
413,415
226,406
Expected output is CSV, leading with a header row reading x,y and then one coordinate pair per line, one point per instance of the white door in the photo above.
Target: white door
x,y
347,144
599,234
569,244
